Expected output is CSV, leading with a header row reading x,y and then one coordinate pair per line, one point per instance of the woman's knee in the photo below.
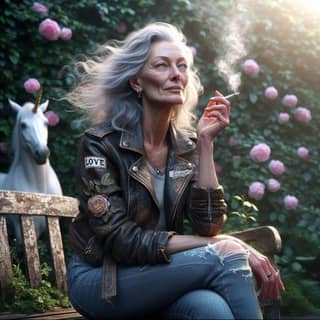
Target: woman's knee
x,y
200,304
228,247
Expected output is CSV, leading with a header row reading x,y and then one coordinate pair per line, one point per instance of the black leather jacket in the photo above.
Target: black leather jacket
x,y
112,164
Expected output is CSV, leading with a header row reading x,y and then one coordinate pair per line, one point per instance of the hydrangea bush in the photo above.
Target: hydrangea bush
x,y
267,158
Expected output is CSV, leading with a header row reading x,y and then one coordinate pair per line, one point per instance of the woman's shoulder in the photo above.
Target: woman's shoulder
x,y
100,131
103,132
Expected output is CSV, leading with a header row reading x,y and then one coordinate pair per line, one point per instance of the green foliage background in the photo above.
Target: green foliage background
x,y
281,36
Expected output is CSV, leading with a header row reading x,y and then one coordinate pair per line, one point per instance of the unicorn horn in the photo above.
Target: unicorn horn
x,y
38,100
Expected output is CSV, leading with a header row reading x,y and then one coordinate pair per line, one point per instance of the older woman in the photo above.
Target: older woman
x,y
142,169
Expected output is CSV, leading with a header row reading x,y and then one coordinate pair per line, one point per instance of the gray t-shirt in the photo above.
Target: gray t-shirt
x,y
158,179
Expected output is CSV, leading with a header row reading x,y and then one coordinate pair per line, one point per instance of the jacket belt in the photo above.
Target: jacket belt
x,y
109,278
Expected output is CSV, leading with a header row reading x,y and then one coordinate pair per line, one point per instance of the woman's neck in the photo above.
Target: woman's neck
x,y
155,128
156,125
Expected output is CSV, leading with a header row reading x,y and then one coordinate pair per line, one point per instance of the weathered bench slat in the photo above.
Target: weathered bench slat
x,y
268,236
5,260
57,253
66,313
37,204
31,249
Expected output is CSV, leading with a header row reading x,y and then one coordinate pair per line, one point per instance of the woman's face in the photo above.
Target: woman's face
x,y
164,76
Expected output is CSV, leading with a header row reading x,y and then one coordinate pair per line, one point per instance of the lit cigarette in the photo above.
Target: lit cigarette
x,y
231,95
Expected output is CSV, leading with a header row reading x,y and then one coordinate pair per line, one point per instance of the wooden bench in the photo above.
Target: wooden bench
x,y
54,207
27,205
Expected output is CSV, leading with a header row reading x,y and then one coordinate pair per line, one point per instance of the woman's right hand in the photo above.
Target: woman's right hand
x,y
268,279
215,118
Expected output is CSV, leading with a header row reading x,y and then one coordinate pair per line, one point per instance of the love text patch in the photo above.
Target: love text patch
x,y
95,162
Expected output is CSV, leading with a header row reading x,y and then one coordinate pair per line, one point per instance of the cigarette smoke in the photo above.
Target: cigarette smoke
x,y
233,27
233,47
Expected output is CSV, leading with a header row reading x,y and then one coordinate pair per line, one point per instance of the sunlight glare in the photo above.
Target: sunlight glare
x,y
312,5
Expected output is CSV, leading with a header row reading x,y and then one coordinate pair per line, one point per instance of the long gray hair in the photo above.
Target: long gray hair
x,y
104,90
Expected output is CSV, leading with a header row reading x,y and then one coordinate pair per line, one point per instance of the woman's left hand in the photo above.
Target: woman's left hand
x,y
215,117
268,278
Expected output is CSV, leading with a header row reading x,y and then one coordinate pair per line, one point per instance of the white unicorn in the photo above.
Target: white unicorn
x,y
31,170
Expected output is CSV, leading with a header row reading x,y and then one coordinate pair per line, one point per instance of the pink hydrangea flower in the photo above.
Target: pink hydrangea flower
x,y
271,93
218,167
303,152
290,100
277,167
49,29
39,7
66,34
251,67
53,118
303,115
273,185
122,27
32,85
256,190
290,202
233,141
283,117
260,152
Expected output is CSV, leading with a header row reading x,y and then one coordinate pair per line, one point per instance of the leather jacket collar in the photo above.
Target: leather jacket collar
x,y
182,142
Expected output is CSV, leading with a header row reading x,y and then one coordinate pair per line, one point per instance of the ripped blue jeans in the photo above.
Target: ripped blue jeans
x,y
210,282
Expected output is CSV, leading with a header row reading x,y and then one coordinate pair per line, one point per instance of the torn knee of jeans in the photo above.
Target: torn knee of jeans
x,y
227,247
232,255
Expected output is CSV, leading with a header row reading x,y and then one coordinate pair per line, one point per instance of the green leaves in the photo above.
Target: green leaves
x,y
244,213
253,98
24,299
14,57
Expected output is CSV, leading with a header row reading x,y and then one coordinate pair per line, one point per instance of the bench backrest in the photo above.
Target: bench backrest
x,y
27,204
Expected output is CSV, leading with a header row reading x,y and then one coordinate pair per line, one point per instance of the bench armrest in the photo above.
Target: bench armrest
x,y
266,237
